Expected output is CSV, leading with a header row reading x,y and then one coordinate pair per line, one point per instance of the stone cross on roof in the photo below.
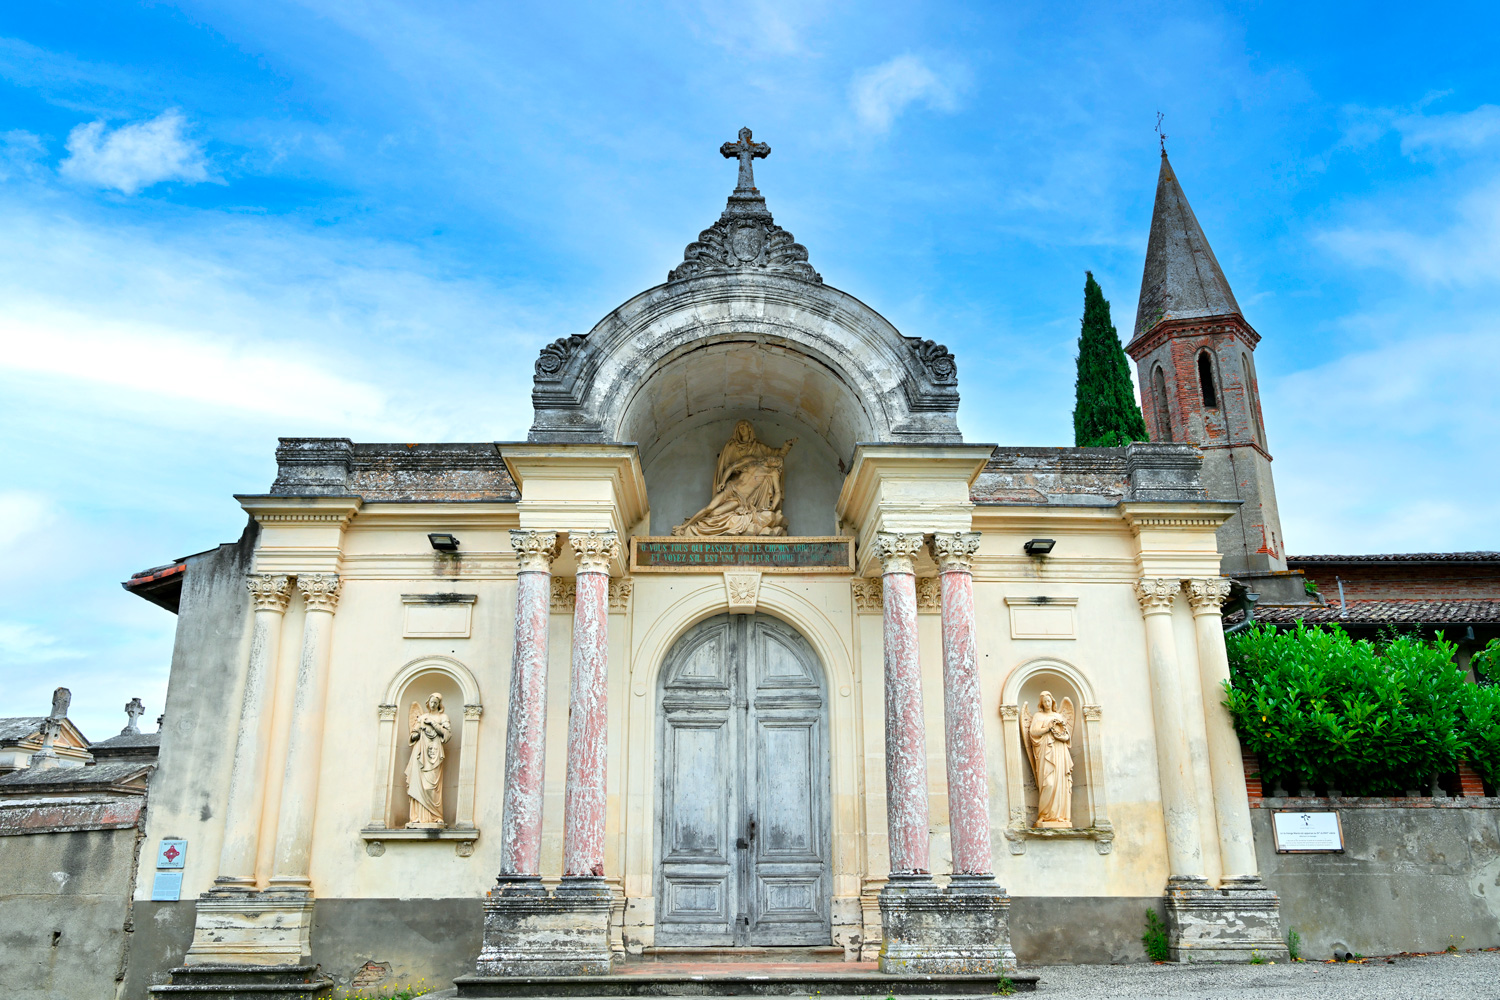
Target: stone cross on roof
x,y
134,709
746,151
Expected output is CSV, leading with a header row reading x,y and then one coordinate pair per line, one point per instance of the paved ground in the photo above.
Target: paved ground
x,y
1463,976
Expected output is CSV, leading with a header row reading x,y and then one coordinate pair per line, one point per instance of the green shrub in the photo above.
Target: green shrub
x,y
1155,938
1486,663
1323,710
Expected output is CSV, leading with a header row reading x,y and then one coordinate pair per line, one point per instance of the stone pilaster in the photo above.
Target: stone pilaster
x,y
247,778
526,724
304,754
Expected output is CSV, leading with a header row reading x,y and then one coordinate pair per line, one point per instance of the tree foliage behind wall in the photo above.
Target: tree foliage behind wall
x,y
1322,710
1105,413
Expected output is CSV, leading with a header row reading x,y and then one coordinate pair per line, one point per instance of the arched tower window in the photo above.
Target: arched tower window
x,y
1161,410
1206,381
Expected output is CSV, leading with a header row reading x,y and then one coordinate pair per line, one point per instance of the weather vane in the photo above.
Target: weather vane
x,y
1161,136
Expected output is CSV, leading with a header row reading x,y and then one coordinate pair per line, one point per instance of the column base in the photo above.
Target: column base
x,y
961,930
531,932
246,982
236,926
1236,922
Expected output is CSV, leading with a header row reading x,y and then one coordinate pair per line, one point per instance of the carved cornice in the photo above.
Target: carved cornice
x,y
955,550
1207,596
897,550
268,592
535,550
473,711
320,591
867,595
1156,595
594,550
1093,712
386,713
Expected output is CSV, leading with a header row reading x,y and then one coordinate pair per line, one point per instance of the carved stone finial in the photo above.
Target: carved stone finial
x,y
594,550
898,550
1156,595
134,709
955,550
320,591
535,550
268,593
1207,595
936,360
552,362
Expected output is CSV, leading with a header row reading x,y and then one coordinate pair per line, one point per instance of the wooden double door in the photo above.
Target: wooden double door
x,y
743,831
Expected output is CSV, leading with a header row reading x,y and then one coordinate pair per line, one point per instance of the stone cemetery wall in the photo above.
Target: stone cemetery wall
x,y
1415,875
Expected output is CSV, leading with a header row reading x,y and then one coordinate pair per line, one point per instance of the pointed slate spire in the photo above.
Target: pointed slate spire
x,y
1182,279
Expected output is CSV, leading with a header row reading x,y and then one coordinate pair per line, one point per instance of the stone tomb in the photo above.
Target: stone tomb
x,y
741,649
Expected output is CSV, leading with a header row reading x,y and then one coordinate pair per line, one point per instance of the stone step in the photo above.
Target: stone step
x,y
738,983
246,982
824,953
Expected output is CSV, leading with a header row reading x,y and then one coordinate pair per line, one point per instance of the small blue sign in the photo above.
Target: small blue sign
x,y
171,854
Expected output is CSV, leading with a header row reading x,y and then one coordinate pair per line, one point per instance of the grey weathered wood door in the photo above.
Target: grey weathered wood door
x,y
743,843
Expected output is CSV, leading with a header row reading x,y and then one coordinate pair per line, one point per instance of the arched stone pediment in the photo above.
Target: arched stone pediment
x,y
799,348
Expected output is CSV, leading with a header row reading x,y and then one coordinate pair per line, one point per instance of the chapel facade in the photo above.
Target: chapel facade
x,y
744,646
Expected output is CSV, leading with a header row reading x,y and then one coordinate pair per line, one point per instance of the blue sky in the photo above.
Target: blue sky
x,y
221,223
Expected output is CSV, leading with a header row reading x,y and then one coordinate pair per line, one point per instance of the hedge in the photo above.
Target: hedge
x,y
1323,711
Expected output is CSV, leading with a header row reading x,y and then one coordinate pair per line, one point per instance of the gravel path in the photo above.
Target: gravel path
x,y
1463,976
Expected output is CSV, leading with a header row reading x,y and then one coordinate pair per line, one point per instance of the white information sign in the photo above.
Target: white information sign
x,y
171,854
1306,832
167,886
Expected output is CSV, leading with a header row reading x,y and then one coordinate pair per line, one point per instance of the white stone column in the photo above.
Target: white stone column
x,y
1231,802
247,778
1173,759
907,816
584,793
526,725
963,729
304,752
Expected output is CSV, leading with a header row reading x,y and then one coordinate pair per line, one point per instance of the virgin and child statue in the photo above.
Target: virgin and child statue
x,y
428,734
747,493
1048,738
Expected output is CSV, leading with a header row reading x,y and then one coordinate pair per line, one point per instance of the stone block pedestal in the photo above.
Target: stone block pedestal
x,y
1233,923
531,932
245,927
246,982
960,930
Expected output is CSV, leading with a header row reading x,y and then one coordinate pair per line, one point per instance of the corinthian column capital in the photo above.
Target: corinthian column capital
x,y
594,550
955,550
1156,595
269,593
320,591
1208,596
535,550
898,550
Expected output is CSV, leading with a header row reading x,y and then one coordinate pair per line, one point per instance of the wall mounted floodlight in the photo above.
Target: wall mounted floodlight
x,y
443,542
1039,546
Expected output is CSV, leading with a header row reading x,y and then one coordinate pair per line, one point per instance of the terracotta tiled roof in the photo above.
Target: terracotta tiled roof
x,y
1397,557
1431,612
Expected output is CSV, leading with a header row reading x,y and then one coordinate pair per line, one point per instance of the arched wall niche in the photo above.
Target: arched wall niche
x,y
906,387
683,411
414,682
1024,686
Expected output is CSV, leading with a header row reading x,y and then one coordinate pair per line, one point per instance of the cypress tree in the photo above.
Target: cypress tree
x,y
1105,413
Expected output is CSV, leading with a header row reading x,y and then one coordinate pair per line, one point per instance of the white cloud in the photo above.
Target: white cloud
x,y
25,645
21,514
880,94
1466,252
20,153
1458,130
133,157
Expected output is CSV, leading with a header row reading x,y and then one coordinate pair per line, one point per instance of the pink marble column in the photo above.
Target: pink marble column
x,y
963,732
905,736
583,798
526,724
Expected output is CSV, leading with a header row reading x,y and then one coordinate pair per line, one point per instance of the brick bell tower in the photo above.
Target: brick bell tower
x,y
1194,356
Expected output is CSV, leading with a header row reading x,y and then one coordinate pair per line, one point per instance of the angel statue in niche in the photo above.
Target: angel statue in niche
x,y
747,489
1048,738
429,731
